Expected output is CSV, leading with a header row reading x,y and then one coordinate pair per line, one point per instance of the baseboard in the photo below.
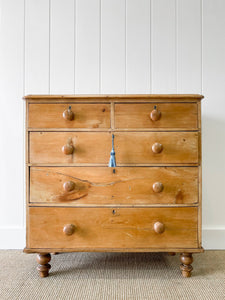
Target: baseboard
x,y
14,238
213,238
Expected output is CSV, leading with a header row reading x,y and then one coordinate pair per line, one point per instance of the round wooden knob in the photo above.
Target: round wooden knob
x,y
68,149
155,115
157,148
69,229
157,187
68,114
69,186
159,227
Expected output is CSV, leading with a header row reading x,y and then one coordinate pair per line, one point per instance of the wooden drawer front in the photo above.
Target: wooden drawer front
x,y
89,147
173,115
100,186
85,116
112,228
136,147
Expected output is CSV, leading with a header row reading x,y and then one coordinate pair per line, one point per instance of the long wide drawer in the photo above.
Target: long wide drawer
x,y
130,147
123,185
68,115
156,115
112,228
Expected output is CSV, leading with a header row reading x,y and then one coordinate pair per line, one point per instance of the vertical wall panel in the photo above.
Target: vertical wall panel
x,y
163,48
37,47
62,46
87,61
12,113
213,113
113,46
189,46
138,46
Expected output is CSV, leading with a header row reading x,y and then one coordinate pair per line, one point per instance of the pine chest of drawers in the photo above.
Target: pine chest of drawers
x,y
149,202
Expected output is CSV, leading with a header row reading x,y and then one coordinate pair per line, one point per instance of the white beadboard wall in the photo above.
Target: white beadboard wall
x,y
111,46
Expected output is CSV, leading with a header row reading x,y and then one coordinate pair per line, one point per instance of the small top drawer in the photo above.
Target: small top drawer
x,y
79,115
156,115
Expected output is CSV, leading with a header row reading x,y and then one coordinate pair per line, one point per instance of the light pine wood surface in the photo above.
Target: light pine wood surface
x,y
173,115
151,201
136,97
85,116
136,148
89,147
101,186
118,227
131,147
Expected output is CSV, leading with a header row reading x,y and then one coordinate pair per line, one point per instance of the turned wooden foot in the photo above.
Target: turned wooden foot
x,y
172,253
43,267
186,261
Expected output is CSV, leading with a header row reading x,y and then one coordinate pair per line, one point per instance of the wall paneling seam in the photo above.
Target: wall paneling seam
x,y
176,45
100,46
74,45
24,116
201,16
150,48
49,48
125,73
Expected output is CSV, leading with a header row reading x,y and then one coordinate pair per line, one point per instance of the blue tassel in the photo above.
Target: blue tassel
x,y
112,161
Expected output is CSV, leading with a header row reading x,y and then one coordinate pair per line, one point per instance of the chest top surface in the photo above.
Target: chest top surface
x,y
117,97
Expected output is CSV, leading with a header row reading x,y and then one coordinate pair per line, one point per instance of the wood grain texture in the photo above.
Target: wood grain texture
x,y
85,116
124,97
27,170
90,147
100,186
149,202
119,227
43,264
186,261
130,147
136,148
173,115
82,249
200,176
